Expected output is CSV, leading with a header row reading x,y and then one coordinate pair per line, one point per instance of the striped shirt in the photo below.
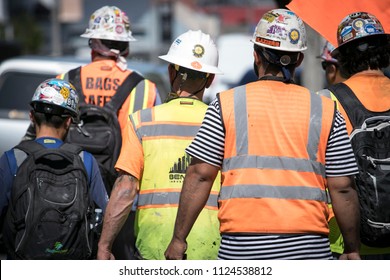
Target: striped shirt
x,y
208,146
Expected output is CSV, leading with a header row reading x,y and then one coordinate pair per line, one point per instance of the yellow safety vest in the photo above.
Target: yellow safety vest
x,y
164,132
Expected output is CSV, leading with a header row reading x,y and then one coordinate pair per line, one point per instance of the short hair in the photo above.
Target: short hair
x,y
117,45
50,120
365,53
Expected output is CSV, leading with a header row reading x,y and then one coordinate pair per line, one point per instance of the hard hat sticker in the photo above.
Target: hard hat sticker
x,y
294,36
198,51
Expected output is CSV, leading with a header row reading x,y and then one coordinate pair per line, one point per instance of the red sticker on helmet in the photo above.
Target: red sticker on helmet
x,y
268,42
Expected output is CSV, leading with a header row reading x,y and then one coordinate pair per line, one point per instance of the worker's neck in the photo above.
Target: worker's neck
x,y
45,131
190,95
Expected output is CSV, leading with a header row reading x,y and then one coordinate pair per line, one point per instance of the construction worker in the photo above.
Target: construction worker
x,y
363,52
54,106
109,36
279,147
152,162
330,65
333,75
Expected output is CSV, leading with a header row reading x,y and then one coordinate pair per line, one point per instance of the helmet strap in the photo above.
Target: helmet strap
x,y
282,61
286,74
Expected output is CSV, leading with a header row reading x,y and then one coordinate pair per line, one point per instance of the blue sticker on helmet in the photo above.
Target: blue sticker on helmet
x,y
370,29
346,30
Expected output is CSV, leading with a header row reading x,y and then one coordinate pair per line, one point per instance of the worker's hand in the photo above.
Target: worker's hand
x,y
350,256
176,250
104,254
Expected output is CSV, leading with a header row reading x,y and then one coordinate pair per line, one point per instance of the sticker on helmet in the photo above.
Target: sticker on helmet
x,y
278,31
347,37
97,20
345,31
294,36
270,17
119,29
268,42
196,65
198,51
358,24
282,18
370,29
65,92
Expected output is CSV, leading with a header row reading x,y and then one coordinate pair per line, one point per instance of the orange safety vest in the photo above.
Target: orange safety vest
x,y
372,90
273,171
100,80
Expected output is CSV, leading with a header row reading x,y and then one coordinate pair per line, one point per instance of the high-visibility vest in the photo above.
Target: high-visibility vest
x,y
164,132
273,169
368,88
100,80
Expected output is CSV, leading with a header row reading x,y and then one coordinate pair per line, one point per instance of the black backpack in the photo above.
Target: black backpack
x,y
370,139
50,210
98,131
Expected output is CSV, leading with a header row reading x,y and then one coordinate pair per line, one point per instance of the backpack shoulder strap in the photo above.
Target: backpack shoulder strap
x,y
74,149
124,90
20,156
22,151
74,77
351,104
29,146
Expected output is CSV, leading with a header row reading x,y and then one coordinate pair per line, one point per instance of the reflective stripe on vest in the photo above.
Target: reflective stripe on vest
x,y
159,130
139,97
264,184
285,192
169,198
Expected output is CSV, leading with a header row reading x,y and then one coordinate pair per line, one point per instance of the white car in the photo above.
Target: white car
x,y
20,76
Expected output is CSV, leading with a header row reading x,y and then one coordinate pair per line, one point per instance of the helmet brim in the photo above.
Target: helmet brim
x,y
89,35
51,108
336,51
188,64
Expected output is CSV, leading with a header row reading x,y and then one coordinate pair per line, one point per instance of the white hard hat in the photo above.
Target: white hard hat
x,y
194,50
281,29
109,23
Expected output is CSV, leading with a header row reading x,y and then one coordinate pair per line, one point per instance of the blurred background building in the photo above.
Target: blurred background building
x,y
53,28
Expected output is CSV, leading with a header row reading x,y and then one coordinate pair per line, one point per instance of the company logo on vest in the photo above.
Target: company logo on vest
x,y
178,171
